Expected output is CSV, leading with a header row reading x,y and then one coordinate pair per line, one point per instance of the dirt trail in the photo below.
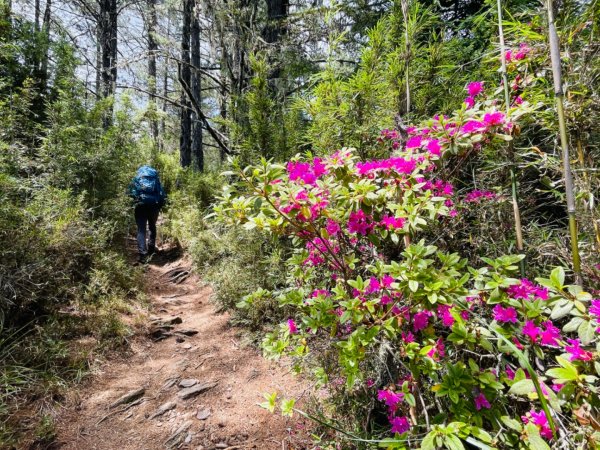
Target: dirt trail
x,y
230,378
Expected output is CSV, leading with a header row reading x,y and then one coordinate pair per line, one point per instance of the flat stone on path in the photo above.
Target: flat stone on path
x,y
129,397
188,383
203,414
196,389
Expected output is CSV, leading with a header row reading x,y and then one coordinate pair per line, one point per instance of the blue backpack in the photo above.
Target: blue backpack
x,y
146,189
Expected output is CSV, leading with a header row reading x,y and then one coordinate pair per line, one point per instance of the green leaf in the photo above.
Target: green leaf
x,y
481,434
454,443
512,423
535,440
557,276
287,407
269,405
586,332
561,309
413,285
429,442
523,387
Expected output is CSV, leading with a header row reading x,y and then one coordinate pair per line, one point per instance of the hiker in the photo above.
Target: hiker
x,y
149,197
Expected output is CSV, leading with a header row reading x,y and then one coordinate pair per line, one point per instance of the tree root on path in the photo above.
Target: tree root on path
x,y
118,411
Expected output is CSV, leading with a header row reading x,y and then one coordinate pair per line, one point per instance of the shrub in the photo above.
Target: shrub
x,y
435,352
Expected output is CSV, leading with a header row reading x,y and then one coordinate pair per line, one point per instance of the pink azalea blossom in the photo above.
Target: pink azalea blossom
x,y
293,329
470,102
482,402
397,164
526,290
550,335
493,119
414,142
387,280
392,223
445,315
472,126
390,398
576,352
532,331
476,196
438,350
333,228
400,425
434,147
373,286
408,337
518,100
508,314
475,88
421,320
540,420
359,223
508,56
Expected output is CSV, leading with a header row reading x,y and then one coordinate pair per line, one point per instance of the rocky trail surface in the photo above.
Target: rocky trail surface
x,y
187,383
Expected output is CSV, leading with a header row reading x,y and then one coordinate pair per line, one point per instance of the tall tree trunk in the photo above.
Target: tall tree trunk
x,y
277,10
45,56
108,30
98,61
37,16
197,148
185,150
165,84
152,50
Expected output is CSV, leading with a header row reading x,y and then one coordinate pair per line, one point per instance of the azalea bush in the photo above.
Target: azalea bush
x,y
433,352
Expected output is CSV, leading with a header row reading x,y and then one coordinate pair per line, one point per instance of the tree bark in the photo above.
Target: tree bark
x,y
152,50
45,56
277,10
197,149
185,150
108,43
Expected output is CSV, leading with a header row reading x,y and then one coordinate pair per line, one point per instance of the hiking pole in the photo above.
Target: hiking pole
x,y
562,125
513,178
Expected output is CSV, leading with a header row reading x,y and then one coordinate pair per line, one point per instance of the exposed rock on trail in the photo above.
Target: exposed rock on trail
x,y
186,383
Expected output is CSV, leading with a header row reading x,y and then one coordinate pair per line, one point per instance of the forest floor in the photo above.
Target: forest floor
x,y
192,382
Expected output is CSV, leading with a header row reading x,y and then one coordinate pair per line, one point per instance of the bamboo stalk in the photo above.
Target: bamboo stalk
x,y
568,176
513,178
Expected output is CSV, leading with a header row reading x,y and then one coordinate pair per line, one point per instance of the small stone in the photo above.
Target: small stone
x,y
189,382
169,383
179,339
188,438
187,346
221,445
203,414
187,332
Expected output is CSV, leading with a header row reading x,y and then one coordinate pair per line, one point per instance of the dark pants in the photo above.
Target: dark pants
x,y
146,214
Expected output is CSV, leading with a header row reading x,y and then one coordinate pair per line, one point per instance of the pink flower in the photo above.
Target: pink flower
x,y
370,383
390,398
445,315
332,227
576,352
526,290
400,425
518,100
414,142
508,314
408,337
508,56
523,52
359,223
531,330
475,88
292,326
387,280
393,223
540,420
421,320
438,350
373,286
470,102
476,196
510,374
472,126
493,119
434,147
550,335
482,402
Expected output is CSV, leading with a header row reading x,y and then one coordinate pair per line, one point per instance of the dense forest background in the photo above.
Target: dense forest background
x,y
90,90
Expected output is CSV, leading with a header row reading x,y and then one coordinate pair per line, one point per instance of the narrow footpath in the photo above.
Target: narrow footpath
x,y
187,382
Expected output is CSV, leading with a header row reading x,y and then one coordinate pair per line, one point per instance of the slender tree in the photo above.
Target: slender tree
x,y
185,142
197,144
152,22
513,178
564,141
